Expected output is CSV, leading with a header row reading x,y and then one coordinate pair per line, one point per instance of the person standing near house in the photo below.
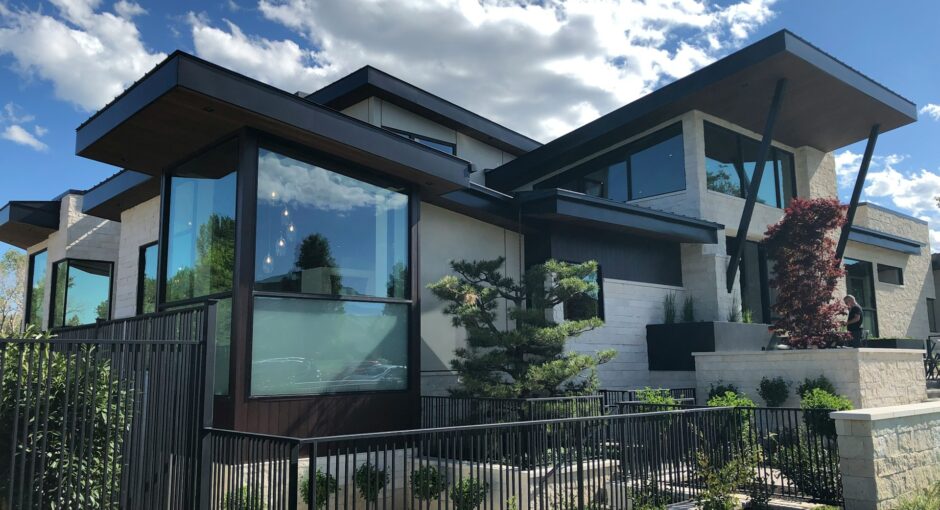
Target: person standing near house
x,y
854,322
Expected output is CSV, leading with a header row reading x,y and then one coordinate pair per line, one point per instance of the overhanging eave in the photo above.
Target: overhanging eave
x,y
884,240
26,223
122,191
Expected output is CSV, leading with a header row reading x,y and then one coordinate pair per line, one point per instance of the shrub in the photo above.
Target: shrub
x,y
370,480
658,398
48,389
774,391
927,499
326,486
242,499
809,384
759,494
427,483
688,309
721,480
747,316
468,493
721,388
669,308
734,314
731,399
812,467
816,407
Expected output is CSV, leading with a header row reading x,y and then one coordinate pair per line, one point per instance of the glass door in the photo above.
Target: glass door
x,y
860,282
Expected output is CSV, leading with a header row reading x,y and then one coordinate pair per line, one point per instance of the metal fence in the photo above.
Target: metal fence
x,y
455,411
610,461
613,397
104,416
932,359
795,451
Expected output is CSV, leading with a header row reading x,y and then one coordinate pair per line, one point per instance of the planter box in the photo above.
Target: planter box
x,y
894,343
868,377
670,346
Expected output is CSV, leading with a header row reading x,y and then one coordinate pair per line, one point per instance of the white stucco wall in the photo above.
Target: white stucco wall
x,y
444,236
140,225
79,237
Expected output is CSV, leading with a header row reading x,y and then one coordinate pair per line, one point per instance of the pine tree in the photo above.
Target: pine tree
x,y
528,360
807,271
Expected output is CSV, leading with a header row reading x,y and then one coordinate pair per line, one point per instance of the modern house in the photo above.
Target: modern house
x,y
317,220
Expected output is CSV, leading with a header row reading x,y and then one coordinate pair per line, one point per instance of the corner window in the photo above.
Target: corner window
x,y
340,246
200,228
730,161
932,314
587,306
890,274
81,292
651,166
438,145
36,288
147,279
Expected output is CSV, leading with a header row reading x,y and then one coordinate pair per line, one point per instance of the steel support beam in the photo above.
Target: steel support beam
x,y
857,192
764,151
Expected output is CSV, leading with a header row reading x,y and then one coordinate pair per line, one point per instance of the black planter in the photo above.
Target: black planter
x,y
670,346
894,343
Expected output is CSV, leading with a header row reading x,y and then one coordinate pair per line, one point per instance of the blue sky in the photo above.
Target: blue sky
x,y
542,69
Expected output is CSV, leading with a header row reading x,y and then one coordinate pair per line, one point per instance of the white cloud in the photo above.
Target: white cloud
x,y
128,10
931,110
89,56
543,68
16,134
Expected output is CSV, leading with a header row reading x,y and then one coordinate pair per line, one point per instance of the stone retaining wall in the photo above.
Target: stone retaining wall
x,y
868,377
887,453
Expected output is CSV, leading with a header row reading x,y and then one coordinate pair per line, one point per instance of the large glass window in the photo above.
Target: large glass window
x,y
648,167
312,346
326,234
147,279
756,271
860,283
201,226
81,292
36,292
321,232
730,161
890,274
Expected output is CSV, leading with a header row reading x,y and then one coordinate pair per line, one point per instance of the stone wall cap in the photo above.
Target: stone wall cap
x,y
885,413
860,350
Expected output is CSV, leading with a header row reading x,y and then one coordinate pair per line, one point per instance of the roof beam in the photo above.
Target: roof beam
x,y
857,192
745,223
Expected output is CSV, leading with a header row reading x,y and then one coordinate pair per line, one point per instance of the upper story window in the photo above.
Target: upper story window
x,y
36,288
651,166
890,274
200,229
730,159
81,292
440,145
147,279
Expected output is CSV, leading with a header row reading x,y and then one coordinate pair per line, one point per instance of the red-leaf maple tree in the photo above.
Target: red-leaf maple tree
x,y
807,272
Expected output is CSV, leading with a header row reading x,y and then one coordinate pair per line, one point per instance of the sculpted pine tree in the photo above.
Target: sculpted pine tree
x,y
529,359
803,248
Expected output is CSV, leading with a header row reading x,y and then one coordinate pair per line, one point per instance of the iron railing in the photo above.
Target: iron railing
x,y
611,461
614,397
104,416
455,411
932,358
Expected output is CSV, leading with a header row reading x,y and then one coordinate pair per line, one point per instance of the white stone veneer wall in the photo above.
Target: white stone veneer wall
x,y
140,226
887,453
868,377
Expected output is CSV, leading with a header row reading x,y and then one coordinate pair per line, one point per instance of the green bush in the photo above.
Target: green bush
x,y
48,389
242,499
810,384
774,391
721,481
659,400
730,399
721,388
427,483
370,480
468,493
927,499
326,486
816,406
812,466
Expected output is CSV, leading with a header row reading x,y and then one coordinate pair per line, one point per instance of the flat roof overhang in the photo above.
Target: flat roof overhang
x,y
558,205
118,193
884,240
827,105
484,204
369,81
26,223
186,104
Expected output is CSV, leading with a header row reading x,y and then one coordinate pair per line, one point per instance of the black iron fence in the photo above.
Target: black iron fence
x,y
609,461
455,411
613,397
104,416
932,359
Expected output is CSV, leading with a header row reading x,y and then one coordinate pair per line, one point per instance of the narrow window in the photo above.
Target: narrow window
x,y
147,279
890,274
860,283
932,314
81,292
587,306
36,288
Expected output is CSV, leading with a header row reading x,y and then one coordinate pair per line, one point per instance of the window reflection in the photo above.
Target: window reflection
x,y
730,161
37,289
81,292
860,282
320,232
147,279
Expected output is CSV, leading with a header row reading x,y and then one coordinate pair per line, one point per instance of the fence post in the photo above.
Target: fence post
x,y
204,475
579,449
292,473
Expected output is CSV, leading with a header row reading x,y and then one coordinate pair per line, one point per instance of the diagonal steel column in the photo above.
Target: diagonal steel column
x,y
755,181
857,192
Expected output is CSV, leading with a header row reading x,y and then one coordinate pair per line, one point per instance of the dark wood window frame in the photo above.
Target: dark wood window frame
x,y
65,298
141,262
30,270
